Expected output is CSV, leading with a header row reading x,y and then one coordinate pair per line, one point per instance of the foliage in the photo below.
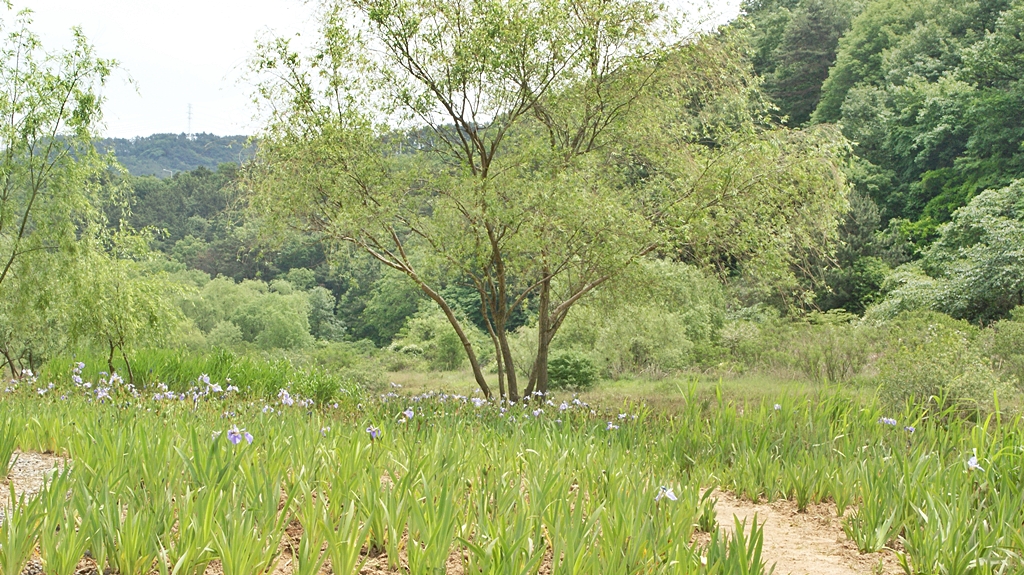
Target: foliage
x,y
794,44
980,253
832,348
393,300
264,316
569,370
1008,346
119,307
427,333
935,361
974,270
554,167
54,183
828,347
924,88
586,486
167,155
648,321
862,260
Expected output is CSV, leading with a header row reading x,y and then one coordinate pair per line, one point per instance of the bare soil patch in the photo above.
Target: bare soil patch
x,y
27,474
810,543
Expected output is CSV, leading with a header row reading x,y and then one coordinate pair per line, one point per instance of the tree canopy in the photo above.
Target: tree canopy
x,y
570,139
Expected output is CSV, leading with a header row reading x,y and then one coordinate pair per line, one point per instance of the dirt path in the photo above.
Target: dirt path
x,y
811,543
27,474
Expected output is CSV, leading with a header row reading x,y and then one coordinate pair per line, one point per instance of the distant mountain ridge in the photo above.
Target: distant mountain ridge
x,y
163,155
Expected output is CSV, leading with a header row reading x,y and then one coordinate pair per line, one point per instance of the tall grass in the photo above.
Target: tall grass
x,y
422,479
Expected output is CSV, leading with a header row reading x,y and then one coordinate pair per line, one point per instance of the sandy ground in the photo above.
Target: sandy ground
x,y
810,543
27,475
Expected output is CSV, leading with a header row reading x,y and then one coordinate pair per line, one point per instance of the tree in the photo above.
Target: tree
x,y
571,139
52,181
975,270
803,57
49,106
472,73
928,91
981,253
119,305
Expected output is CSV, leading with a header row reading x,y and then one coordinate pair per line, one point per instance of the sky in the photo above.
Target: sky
x,y
181,53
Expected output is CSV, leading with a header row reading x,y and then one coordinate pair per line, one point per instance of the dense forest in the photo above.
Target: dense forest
x,y
930,96
799,180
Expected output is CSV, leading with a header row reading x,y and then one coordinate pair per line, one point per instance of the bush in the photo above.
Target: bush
x,y
569,370
648,321
831,348
934,358
224,335
325,388
448,353
429,334
1008,346
523,345
356,362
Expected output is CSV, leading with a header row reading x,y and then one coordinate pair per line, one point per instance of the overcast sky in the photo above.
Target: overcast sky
x,y
183,52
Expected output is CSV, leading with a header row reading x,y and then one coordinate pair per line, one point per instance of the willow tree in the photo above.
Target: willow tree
x,y
472,73
568,138
50,180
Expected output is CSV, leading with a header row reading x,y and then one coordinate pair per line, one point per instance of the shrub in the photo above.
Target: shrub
x,y
523,345
429,334
647,321
225,335
322,387
1008,346
831,348
448,353
569,370
355,362
934,358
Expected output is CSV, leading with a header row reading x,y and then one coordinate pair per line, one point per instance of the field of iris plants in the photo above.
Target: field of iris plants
x,y
176,482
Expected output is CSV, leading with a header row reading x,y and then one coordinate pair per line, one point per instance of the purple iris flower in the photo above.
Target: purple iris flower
x,y
972,464
236,435
665,492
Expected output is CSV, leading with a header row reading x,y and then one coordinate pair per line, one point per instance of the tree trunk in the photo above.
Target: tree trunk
x,y
10,363
128,366
510,368
542,364
110,359
478,373
539,374
498,358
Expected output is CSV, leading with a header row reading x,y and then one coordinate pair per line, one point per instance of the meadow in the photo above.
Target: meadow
x,y
216,479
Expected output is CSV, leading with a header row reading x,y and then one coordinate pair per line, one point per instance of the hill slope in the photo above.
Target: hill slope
x,y
162,155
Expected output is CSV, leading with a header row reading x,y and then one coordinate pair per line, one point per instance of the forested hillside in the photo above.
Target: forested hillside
x,y
163,155
929,93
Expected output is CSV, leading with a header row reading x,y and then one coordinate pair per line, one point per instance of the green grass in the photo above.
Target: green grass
x,y
171,485
665,394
